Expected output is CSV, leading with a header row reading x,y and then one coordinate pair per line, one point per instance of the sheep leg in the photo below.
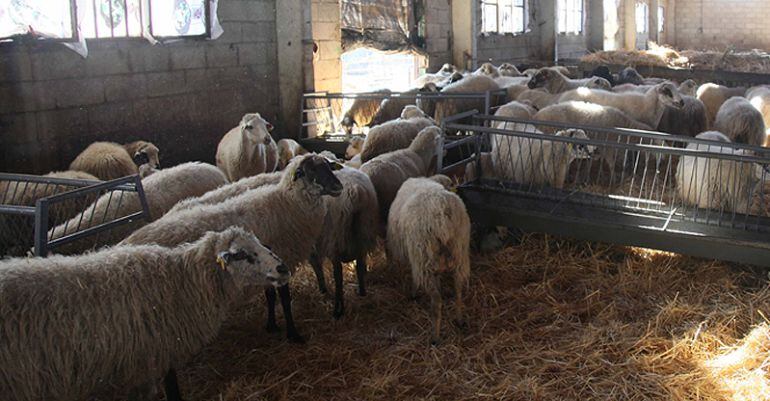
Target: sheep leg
x,y
271,326
459,314
318,268
434,291
361,274
339,302
171,386
291,331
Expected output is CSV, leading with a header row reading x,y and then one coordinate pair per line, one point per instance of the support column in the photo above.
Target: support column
x,y
653,18
629,24
596,25
289,34
547,26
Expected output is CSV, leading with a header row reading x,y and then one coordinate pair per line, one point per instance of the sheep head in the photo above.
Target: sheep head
x,y
489,70
426,144
317,174
142,153
240,254
447,69
541,78
411,111
599,83
256,129
509,70
688,87
630,76
669,95
355,145
577,150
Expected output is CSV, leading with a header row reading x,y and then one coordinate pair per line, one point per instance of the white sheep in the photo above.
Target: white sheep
x,y
355,145
555,82
349,232
518,110
162,191
396,134
647,108
509,70
288,216
247,149
437,77
741,122
109,160
689,120
362,111
391,107
688,87
512,92
489,70
711,183
287,150
429,230
472,84
487,168
122,317
388,171
228,191
759,96
713,95
539,98
590,114
537,161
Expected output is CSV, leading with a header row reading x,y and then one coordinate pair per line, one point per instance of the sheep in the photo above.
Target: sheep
x,y
509,70
713,95
288,216
488,69
228,191
440,75
711,183
539,98
517,110
512,92
688,87
429,230
537,161
690,120
75,326
647,108
355,145
162,191
589,114
349,232
388,171
505,82
144,153
247,149
555,82
487,168
109,160
740,122
363,110
391,107
759,97
287,150
471,84
629,76
394,135
603,71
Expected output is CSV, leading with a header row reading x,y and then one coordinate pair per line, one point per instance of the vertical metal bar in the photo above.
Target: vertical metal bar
x,y
208,17
142,198
141,17
125,15
96,19
41,227
74,20
112,19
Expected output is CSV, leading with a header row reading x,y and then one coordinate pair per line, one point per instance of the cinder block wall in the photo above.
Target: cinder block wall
x,y
182,96
722,23
327,66
438,20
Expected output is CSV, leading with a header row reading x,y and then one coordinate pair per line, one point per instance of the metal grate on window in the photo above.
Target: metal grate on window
x,y
133,18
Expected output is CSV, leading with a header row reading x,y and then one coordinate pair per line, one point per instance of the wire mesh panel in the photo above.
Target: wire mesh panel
x,y
30,206
628,179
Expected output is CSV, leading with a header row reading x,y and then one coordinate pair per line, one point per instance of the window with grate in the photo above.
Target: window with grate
x,y
661,18
642,20
570,16
503,16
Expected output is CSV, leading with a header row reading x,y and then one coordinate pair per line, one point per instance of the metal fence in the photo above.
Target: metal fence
x,y
31,205
642,188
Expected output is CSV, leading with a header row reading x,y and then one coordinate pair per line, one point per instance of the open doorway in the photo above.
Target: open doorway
x,y
611,25
367,70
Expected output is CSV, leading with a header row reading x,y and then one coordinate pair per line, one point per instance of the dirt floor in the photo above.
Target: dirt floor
x,y
548,320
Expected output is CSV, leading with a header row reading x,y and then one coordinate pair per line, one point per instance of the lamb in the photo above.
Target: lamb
x,y
429,230
555,82
537,161
690,120
288,216
122,317
470,84
355,145
363,110
109,160
711,183
759,97
388,171
162,191
287,150
394,135
391,107
713,95
349,232
647,108
740,122
247,149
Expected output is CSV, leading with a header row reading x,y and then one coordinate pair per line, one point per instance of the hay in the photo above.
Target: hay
x,y
548,320
754,61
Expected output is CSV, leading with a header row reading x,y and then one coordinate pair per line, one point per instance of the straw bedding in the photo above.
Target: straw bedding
x,y
754,61
548,320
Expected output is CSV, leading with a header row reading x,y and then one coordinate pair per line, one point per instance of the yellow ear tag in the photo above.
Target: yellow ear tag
x,y
222,263
453,189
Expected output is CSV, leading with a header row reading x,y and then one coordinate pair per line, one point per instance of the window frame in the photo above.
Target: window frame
x,y
661,19
646,20
571,11
498,16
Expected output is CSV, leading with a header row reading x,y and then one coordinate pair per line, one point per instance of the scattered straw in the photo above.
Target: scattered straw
x,y
548,320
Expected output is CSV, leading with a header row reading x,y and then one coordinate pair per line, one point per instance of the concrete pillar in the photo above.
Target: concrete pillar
x,y
462,33
596,25
653,20
547,26
629,24
289,34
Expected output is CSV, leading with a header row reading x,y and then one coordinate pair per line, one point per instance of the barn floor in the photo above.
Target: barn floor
x,y
548,320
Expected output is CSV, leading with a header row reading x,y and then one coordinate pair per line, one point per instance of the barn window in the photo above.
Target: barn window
x,y
503,16
107,19
661,18
641,18
570,16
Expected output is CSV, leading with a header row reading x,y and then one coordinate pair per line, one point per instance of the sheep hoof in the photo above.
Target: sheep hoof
x,y
295,338
272,328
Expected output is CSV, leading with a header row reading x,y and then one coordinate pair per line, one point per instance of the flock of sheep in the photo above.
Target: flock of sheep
x,y
153,293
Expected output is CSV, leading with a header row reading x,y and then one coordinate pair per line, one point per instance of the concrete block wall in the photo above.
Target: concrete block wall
x,y
326,34
721,23
508,48
182,96
438,36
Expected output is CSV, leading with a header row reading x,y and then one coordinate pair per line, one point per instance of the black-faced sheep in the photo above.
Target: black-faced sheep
x,y
122,317
647,108
108,160
629,75
740,122
287,150
388,171
429,230
162,191
362,111
713,95
689,120
288,216
603,71
396,134
247,149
